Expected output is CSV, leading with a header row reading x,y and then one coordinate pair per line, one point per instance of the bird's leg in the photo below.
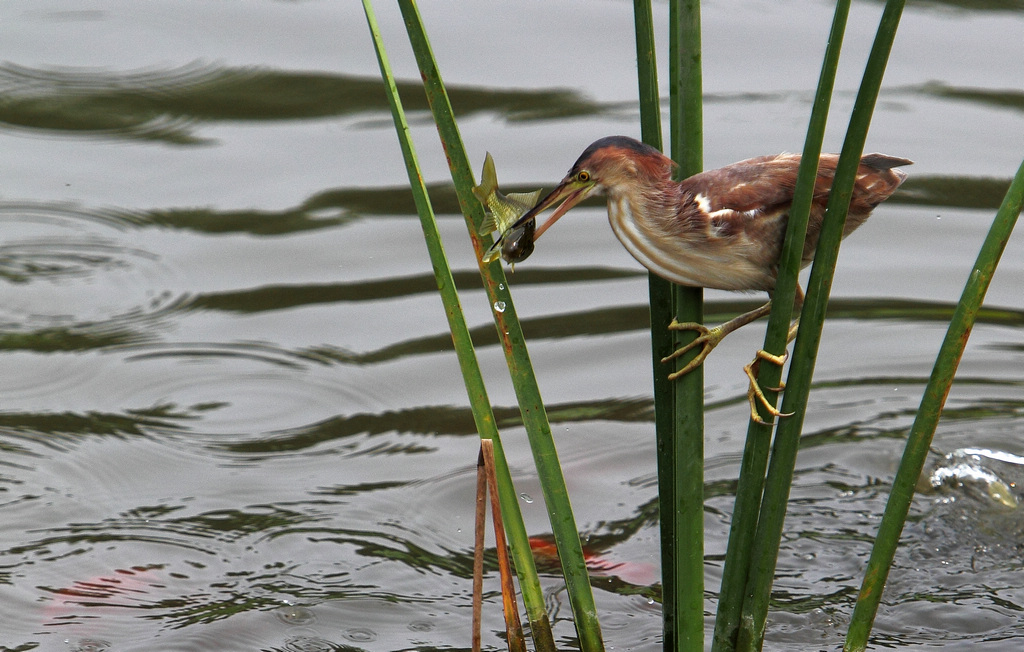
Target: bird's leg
x,y
709,338
754,391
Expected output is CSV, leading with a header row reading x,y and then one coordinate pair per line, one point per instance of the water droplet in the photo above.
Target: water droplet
x,y
526,498
360,635
89,645
294,615
308,644
499,306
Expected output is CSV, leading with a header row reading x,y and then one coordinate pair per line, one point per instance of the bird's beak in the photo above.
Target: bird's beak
x,y
570,192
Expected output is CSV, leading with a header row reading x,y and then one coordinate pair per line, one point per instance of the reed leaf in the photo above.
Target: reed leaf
x,y
483,415
755,451
556,496
660,290
932,402
660,294
662,300
783,460
647,74
681,449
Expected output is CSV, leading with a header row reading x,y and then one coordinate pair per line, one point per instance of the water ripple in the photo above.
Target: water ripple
x,y
59,260
166,104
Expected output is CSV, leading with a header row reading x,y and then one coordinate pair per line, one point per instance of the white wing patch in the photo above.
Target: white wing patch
x,y
704,204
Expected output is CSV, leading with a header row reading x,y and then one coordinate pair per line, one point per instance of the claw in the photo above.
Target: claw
x,y
708,339
755,393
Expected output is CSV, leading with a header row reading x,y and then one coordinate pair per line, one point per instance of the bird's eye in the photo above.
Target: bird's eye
x,y
583,176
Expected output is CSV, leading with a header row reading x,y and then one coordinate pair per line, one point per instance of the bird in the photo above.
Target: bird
x,y
721,229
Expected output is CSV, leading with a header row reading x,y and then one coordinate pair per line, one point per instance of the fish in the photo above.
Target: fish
x,y
514,245
545,552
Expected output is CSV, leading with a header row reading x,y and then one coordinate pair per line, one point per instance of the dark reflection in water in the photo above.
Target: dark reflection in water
x,y
622,319
976,6
80,337
332,208
1010,98
169,104
954,192
265,223
135,423
430,421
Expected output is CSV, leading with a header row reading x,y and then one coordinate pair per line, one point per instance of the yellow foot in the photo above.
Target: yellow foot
x,y
754,392
707,340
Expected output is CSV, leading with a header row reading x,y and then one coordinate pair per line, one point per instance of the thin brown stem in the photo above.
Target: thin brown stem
x,y
478,548
513,626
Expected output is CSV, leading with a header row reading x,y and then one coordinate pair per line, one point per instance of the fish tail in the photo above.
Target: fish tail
x,y
485,191
488,181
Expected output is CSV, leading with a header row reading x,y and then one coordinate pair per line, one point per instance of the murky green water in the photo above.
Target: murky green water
x,y
230,416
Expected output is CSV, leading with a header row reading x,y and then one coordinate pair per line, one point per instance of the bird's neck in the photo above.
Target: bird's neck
x,y
652,204
646,222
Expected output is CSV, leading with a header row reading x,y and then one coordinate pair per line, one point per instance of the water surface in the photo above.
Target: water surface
x,y
230,415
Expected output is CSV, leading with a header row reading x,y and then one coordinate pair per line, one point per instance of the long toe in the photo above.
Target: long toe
x,y
700,340
707,340
756,395
690,366
687,326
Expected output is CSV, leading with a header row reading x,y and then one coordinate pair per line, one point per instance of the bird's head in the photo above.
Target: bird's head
x,y
612,165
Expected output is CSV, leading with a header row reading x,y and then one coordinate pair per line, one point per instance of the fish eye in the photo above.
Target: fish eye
x,y
583,176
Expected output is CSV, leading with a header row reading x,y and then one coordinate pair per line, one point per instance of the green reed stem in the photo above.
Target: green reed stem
x,y
647,75
755,451
783,461
556,496
681,451
660,290
661,295
921,433
483,415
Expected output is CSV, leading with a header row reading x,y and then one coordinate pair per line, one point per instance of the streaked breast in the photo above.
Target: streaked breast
x,y
688,257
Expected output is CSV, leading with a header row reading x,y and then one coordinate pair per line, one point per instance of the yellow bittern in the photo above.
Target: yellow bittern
x,y
719,229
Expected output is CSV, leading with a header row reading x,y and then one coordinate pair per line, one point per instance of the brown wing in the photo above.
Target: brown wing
x,y
875,182
736,216
877,179
747,203
767,182
756,184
